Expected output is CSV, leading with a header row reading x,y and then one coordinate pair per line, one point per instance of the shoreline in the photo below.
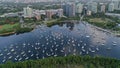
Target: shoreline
x,y
14,32
58,22
7,34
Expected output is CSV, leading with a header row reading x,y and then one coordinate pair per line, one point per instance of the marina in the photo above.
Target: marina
x,y
59,40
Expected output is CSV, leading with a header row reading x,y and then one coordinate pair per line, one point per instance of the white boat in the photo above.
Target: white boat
x,y
17,56
15,53
15,59
22,53
56,49
1,54
85,44
3,60
19,59
24,44
47,43
32,55
108,48
87,52
73,45
65,54
5,49
82,47
114,44
27,58
12,50
103,44
55,55
80,53
93,51
97,49
83,50
87,36
62,50
74,53
8,53
74,50
78,44
10,57
29,51
43,51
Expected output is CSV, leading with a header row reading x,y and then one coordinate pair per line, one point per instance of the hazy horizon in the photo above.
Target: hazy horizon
x,y
49,0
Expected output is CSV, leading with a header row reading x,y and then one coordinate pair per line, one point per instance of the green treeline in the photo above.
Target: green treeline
x,y
108,22
66,62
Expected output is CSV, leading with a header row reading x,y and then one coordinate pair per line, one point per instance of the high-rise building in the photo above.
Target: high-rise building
x,y
93,6
102,8
69,9
49,14
60,12
28,12
85,10
37,14
111,7
79,8
116,5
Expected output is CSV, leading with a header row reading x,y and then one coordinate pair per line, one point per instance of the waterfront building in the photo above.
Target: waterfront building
x,y
28,12
111,7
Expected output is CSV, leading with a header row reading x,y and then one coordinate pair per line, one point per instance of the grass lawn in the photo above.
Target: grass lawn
x,y
50,21
106,20
8,28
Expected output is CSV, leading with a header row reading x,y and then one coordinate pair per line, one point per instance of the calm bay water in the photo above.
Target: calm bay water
x,y
59,40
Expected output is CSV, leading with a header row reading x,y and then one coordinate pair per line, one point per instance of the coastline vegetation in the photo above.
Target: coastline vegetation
x,y
61,20
66,62
9,29
11,25
103,21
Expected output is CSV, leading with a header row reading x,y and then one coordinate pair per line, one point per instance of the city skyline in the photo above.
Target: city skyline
x,y
27,1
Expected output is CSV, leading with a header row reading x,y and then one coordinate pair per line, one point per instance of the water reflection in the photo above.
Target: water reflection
x,y
59,40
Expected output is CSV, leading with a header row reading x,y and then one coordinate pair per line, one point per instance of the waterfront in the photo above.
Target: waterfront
x,y
59,40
